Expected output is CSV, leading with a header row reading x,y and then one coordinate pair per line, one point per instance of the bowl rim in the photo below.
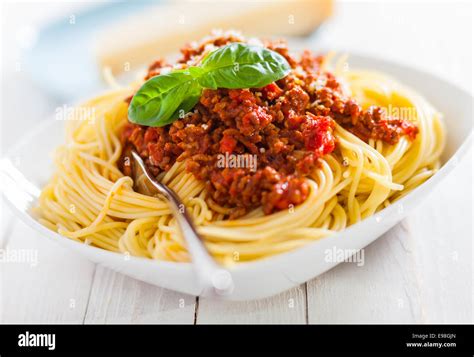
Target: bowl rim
x,y
243,267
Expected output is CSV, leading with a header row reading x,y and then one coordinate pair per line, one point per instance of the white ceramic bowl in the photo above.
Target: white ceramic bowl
x,y
28,166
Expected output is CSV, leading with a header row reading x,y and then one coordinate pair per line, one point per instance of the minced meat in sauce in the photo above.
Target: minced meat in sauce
x,y
287,126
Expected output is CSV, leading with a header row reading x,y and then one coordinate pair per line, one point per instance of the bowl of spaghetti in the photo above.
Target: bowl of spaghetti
x,y
278,158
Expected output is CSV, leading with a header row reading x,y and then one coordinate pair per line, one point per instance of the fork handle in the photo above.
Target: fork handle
x,y
212,278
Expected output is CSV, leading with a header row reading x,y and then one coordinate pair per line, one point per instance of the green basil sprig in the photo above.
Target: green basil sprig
x,y
166,97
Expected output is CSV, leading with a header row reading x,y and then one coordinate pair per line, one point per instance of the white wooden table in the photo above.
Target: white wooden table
x,y
419,272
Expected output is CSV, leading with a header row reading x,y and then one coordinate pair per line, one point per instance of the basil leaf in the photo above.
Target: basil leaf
x,y
186,105
162,98
166,97
238,65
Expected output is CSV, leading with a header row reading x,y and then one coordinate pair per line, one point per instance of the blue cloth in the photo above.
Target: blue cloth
x,y
62,60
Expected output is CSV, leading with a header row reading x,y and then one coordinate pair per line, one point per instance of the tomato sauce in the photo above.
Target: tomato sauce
x,y
287,125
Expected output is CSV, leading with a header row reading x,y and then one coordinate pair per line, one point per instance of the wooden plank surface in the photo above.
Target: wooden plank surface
x,y
50,285
382,290
116,298
288,307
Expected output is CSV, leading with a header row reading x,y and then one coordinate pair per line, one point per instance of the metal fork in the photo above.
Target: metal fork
x,y
212,278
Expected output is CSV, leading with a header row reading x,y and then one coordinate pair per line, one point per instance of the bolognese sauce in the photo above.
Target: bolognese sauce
x,y
287,126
